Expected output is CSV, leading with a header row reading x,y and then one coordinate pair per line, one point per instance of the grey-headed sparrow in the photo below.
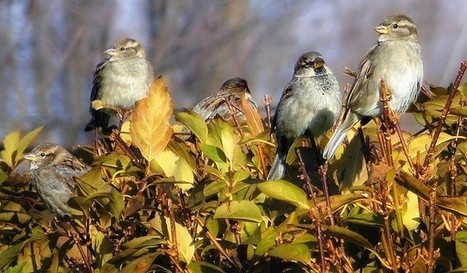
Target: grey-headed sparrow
x,y
52,170
120,79
396,59
310,104
227,102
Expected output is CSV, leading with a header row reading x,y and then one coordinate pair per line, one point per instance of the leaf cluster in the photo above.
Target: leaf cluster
x,y
158,202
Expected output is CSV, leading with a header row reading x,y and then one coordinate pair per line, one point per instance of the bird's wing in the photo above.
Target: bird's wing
x,y
288,91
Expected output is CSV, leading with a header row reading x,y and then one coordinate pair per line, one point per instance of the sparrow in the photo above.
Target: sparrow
x,y
396,59
310,105
227,102
119,80
52,170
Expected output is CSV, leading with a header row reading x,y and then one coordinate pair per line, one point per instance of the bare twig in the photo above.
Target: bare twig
x,y
216,244
173,231
316,218
431,229
117,139
267,100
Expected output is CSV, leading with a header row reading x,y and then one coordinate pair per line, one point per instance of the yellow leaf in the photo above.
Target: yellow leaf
x,y
150,129
11,143
174,166
97,104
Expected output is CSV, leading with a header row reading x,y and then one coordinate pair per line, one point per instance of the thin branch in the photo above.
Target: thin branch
x,y
267,100
452,90
316,218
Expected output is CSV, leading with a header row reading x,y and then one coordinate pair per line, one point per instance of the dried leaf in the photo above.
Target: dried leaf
x,y
150,129
253,119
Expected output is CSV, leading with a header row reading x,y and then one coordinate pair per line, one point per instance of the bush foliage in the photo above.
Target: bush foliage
x,y
154,202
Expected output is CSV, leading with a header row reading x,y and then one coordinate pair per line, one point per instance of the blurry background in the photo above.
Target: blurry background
x,y
49,48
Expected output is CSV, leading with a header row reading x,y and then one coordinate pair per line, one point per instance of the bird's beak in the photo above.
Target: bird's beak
x,y
318,63
382,29
110,52
31,157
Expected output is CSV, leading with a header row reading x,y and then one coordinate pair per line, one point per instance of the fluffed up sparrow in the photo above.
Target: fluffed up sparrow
x,y
52,170
227,102
120,79
396,59
310,104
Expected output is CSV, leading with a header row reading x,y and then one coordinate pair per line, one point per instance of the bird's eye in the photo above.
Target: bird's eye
x,y
122,48
42,154
394,26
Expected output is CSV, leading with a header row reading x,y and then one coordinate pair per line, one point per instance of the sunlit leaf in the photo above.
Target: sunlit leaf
x,y
10,143
338,201
239,210
228,144
292,252
285,191
140,265
454,204
9,255
195,123
14,146
150,129
184,240
174,166
253,119
27,140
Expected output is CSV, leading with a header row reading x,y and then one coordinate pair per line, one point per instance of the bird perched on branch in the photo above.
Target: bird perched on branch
x,y
120,79
227,102
52,170
396,59
310,104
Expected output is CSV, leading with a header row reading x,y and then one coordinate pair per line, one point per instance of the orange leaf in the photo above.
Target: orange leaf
x,y
150,129
253,119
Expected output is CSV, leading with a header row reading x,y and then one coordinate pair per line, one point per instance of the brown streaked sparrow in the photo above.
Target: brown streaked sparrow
x,y
310,104
227,102
52,170
396,59
120,79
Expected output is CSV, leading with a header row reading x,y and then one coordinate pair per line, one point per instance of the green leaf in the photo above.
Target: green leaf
x,y
103,246
185,246
27,139
461,251
239,210
228,143
363,217
10,254
459,111
214,153
455,204
8,216
195,123
338,201
292,252
285,191
461,236
116,203
174,166
204,267
10,143
140,265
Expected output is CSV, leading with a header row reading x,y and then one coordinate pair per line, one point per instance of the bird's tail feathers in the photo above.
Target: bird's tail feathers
x,y
278,168
338,137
